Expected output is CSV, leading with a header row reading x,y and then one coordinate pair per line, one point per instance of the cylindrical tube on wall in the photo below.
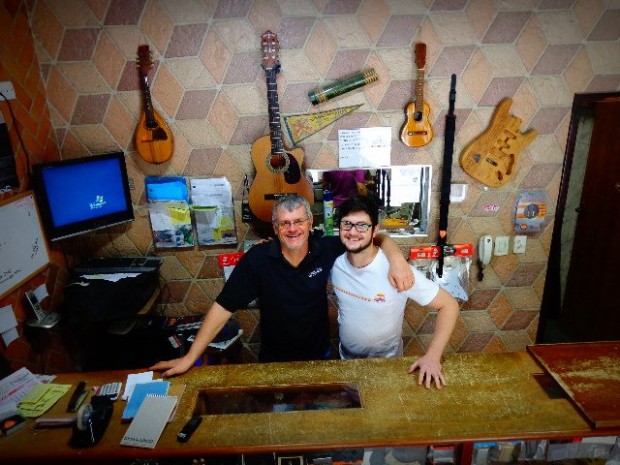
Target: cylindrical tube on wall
x,y
336,88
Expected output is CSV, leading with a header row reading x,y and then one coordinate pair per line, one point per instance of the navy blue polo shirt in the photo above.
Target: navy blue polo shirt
x,y
292,301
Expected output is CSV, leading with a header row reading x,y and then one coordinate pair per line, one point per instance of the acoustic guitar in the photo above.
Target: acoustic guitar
x,y
278,171
153,138
491,158
417,130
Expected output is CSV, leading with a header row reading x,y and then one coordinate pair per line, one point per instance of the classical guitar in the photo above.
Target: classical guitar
x,y
278,171
153,138
491,158
417,130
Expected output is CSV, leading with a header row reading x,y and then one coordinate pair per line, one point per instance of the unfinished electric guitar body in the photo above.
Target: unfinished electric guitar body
x,y
492,157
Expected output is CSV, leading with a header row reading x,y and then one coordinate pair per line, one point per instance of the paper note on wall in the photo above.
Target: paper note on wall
x,y
364,147
8,325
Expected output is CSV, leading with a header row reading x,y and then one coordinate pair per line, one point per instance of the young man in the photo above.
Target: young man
x,y
289,277
370,312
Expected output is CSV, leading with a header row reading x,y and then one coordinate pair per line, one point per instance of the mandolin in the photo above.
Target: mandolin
x,y
417,130
278,171
153,138
491,157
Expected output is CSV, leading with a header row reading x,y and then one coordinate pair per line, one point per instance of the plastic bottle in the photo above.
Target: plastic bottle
x,y
328,213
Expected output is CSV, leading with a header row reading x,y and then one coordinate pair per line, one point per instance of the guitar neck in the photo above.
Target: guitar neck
x,y
275,130
419,90
147,102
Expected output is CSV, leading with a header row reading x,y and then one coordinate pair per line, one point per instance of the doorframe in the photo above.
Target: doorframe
x,y
551,305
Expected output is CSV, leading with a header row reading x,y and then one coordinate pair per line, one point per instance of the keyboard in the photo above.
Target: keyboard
x,y
118,265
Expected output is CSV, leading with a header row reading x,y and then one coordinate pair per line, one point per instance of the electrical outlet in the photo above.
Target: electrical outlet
x,y
501,245
7,90
458,193
519,244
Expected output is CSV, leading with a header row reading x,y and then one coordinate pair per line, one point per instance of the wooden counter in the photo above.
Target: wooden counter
x,y
488,397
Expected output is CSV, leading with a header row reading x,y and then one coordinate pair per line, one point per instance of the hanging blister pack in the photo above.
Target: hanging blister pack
x,y
456,263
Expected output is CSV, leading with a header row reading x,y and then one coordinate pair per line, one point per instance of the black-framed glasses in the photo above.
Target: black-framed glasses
x,y
360,227
287,224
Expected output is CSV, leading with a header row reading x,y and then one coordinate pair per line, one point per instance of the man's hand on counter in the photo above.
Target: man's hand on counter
x,y
430,372
173,367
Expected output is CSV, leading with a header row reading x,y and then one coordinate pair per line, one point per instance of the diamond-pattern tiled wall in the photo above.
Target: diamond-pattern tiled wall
x,y
208,84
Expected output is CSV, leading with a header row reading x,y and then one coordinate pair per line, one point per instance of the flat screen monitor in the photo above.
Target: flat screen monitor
x,y
80,195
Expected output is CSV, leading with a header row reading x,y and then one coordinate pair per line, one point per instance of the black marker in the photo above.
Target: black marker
x,y
189,428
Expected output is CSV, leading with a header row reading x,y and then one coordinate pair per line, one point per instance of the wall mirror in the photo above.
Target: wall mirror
x,y
402,193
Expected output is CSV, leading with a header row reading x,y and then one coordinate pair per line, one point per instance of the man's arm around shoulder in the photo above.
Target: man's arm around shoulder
x,y
400,274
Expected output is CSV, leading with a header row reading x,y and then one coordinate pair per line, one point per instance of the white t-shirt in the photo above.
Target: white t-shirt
x,y
370,309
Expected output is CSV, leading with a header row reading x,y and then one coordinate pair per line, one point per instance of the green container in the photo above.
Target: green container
x,y
336,88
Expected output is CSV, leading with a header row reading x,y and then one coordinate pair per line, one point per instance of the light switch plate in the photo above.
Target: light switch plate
x,y
519,244
458,193
501,245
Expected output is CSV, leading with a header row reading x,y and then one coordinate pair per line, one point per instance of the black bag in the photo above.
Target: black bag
x,y
98,300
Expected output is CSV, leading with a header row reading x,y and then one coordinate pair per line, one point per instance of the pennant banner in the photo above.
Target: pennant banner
x,y
300,127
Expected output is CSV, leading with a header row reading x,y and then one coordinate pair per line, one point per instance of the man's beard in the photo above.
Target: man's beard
x,y
360,248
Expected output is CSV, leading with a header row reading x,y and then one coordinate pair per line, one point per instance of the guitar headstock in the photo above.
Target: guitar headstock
x,y
420,55
270,48
144,59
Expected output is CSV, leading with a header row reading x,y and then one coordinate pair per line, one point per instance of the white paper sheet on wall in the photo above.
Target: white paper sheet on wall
x,y
8,325
364,147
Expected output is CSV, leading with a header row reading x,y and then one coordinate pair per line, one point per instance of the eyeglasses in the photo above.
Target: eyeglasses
x,y
287,224
360,227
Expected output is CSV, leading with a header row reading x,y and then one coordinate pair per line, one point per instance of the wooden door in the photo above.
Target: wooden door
x,y
591,309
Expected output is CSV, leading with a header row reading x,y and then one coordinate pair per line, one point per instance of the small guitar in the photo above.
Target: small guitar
x,y
153,138
491,157
417,130
278,171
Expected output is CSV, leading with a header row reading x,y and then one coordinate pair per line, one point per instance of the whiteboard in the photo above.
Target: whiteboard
x,y
23,249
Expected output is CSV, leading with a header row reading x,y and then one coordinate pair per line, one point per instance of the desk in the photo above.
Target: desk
x,y
589,373
488,397
128,343
127,324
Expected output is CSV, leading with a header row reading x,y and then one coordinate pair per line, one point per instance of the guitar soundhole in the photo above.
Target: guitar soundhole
x,y
160,134
418,116
278,163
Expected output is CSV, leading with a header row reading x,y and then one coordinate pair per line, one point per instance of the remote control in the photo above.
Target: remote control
x,y
189,428
111,390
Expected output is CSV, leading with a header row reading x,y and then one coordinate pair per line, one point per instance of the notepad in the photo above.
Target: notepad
x,y
149,422
155,388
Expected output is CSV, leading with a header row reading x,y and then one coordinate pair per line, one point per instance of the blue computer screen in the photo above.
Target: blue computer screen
x,y
84,191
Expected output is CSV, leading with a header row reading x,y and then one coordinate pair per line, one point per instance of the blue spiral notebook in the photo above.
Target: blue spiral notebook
x,y
152,388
